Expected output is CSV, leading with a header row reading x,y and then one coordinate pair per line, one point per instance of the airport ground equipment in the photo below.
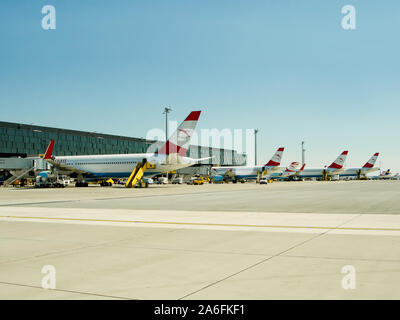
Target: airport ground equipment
x,y
21,168
260,175
46,179
148,180
136,177
18,175
178,180
162,180
106,183
218,179
196,180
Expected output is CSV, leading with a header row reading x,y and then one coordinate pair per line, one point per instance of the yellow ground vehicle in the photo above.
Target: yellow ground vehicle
x,y
196,181
136,178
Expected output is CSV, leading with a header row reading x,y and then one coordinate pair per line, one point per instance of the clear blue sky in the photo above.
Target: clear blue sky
x,y
286,67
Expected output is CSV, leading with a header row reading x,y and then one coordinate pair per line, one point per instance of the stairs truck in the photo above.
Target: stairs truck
x,y
136,180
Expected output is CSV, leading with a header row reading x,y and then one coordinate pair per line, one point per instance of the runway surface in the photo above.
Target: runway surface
x,y
244,241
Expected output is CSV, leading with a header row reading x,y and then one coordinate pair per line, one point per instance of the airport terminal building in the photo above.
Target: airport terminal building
x,y
22,140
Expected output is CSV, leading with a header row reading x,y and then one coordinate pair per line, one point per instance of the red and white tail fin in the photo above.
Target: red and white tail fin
x,y
339,162
298,172
276,158
371,162
292,167
49,151
179,141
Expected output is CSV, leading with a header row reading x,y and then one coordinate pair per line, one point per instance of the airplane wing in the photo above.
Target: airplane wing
x,y
269,170
203,159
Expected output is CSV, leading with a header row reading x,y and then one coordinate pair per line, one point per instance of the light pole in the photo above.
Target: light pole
x,y
166,111
255,146
303,153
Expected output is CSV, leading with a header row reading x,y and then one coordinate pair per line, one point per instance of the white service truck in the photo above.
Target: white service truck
x,y
46,179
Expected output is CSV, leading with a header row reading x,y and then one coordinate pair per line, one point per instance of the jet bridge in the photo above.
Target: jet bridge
x,y
20,168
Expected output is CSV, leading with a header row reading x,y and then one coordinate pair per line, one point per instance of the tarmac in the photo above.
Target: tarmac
x,y
285,240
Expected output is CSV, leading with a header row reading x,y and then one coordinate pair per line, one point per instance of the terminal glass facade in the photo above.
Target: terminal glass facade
x,y
29,140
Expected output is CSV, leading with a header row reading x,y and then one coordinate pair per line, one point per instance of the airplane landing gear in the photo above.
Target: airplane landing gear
x,y
81,184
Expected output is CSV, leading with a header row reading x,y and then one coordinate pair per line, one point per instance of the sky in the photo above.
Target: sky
x,y
285,67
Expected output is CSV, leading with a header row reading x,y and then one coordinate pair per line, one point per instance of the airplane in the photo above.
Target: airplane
x,y
171,156
386,175
290,173
366,168
242,173
334,169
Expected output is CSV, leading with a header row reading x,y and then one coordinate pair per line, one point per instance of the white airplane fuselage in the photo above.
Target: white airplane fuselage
x,y
121,165
318,172
353,172
244,172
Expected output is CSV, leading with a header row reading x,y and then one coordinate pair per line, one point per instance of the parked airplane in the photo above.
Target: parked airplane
x,y
171,156
366,168
386,175
290,172
250,172
334,169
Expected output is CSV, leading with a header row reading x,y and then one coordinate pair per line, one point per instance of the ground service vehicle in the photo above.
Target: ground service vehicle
x,y
177,181
218,179
46,179
162,180
196,181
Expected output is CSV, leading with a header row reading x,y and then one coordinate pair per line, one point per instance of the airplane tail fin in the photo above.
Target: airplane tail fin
x,y
384,172
339,162
292,167
276,158
179,141
371,162
49,151
298,172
